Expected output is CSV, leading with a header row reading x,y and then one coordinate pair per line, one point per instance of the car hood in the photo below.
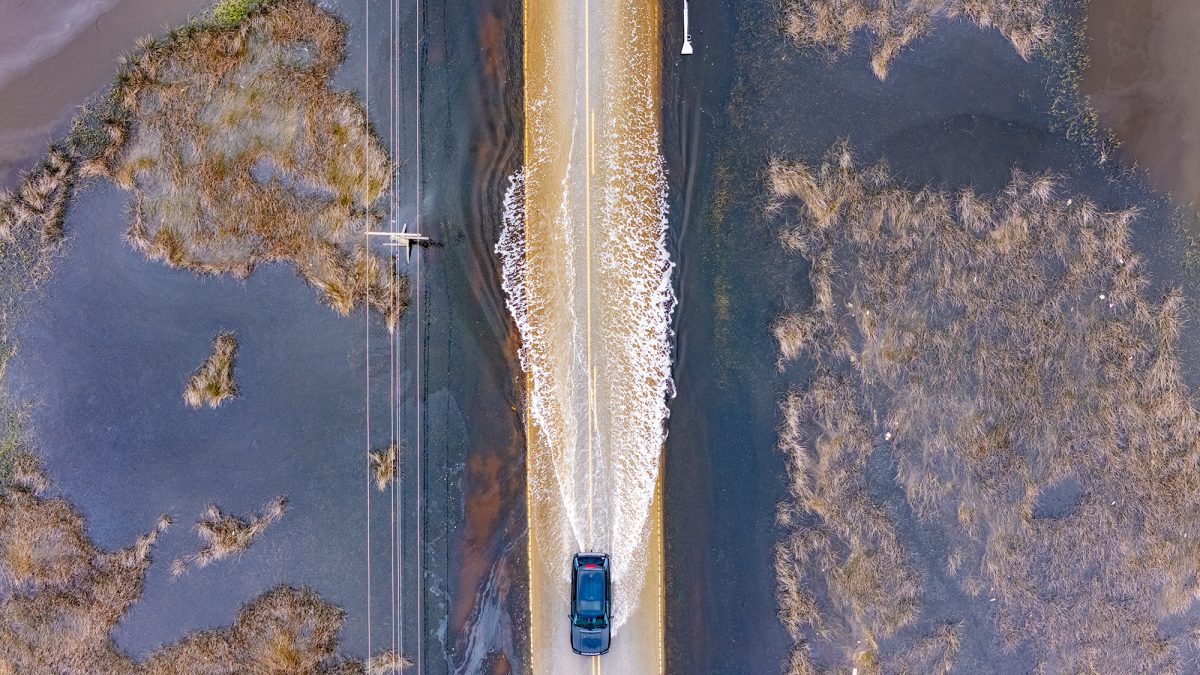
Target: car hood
x,y
589,641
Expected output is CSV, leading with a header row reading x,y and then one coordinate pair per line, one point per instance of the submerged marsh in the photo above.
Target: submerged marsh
x,y
273,633
895,24
998,348
61,597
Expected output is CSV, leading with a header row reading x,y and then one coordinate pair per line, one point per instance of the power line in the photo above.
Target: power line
x,y
420,392
367,305
397,577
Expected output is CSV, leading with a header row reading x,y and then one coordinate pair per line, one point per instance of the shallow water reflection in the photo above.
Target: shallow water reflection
x,y
1144,80
55,53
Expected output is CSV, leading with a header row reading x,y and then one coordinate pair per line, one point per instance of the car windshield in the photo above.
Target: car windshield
x,y
589,599
593,623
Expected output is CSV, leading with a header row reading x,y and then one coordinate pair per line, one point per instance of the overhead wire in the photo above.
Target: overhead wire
x,y
367,306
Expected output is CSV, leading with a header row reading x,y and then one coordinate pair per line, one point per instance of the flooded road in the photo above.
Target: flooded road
x,y
588,281
1144,80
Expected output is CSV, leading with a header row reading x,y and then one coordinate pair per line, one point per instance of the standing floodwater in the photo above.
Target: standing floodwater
x,y
1142,78
53,54
588,280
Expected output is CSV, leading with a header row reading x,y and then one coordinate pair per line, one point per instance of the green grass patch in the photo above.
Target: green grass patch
x,y
232,12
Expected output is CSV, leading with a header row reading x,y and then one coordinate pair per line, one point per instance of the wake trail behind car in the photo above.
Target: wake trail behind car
x,y
588,281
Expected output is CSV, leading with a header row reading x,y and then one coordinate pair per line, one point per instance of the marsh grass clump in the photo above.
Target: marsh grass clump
x,y
1004,345
284,630
832,24
238,153
387,662
39,205
384,465
213,382
59,595
226,534
839,545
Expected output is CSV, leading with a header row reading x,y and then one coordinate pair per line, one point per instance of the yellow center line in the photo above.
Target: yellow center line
x,y
587,102
591,431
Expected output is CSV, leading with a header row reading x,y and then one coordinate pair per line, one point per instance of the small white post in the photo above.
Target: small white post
x,y
687,36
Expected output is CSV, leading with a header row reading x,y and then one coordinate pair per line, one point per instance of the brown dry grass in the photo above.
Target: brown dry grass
x,y
31,226
213,382
285,630
60,598
931,655
839,544
831,24
59,595
1005,345
385,662
238,153
384,465
40,204
226,534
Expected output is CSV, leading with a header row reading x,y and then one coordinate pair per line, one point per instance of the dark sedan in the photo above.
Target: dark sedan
x,y
591,604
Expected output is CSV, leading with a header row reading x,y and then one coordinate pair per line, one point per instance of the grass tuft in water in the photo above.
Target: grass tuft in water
x,y
225,534
387,662
213,383
384,465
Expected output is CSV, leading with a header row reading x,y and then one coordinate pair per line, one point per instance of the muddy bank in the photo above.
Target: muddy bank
x,y
54,55
1144,80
